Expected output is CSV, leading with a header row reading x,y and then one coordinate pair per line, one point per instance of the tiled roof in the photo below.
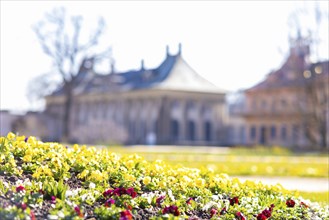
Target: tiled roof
x,y
291,74
89,82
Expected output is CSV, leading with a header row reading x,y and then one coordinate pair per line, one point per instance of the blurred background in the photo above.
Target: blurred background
x,y
166,73
236,87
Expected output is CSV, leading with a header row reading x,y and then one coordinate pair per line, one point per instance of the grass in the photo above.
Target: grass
x,y
321,197
238,161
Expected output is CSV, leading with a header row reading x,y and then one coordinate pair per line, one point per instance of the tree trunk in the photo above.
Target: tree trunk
x,y
67,113
323,135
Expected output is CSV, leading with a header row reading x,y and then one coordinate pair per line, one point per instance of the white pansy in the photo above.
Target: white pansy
x,y
68,193
92,185
6,184
171,195
60,214
215,197
209,205
68,202
18,183
52,217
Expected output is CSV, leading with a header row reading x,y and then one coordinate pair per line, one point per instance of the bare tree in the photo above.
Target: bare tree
x,y
61,40
313,97
314,104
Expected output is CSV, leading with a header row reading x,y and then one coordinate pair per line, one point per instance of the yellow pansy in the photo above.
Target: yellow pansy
x,y
129,177
11,135
200,182
147,180
27,158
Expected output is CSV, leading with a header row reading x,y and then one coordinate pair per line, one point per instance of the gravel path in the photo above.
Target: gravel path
x,y
293,183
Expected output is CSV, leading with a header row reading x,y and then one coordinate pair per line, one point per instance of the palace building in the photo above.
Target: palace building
x,y
170,104
290,107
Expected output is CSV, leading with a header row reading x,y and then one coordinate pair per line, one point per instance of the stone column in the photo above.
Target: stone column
x,y
199,125
183,131
164,121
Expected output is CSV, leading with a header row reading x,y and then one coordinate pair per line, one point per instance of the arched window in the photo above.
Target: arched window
x,y
273,132
295,132
207,130
253,132
242,134
174,129
284,132
174,104
191,130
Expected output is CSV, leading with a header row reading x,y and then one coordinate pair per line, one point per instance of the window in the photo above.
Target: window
x,y
174,129
82,114
253,132
207,131
191,130
274,106
190,105
253,104
295,132
283,103
273,132
242,134
156,126
283,132
174,105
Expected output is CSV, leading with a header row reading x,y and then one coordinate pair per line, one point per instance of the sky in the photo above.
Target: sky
x,y
233,44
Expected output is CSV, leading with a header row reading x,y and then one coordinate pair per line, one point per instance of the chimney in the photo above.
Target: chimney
x,y
167,50
179,49
112,67
142,64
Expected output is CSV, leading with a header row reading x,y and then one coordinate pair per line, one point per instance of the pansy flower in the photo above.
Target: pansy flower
x,y
171,210
213,212
131,192
20,188
160,200
53,199
189,201
126,215
261,216
109,202
223,211
290,203
240,216
78,211
234,200
23,206
303,205
32,216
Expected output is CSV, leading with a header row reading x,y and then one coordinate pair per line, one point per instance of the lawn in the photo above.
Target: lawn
x,y
258,161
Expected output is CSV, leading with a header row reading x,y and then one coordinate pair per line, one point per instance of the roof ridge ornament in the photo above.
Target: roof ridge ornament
x,y
167,50
142,64
179,49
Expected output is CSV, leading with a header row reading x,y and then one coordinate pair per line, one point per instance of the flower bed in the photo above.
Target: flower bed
x,y
50,181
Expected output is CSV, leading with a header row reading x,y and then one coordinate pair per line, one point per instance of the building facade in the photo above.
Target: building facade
x,y
290,107
170,104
